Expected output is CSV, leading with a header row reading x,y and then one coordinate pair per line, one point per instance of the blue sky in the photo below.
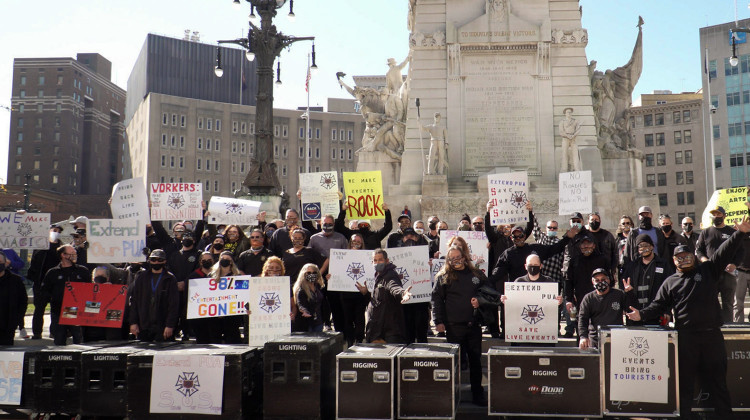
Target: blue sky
x,y
353,36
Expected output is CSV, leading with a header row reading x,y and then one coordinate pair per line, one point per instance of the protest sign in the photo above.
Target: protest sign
x,y
575,192
233,211
477,242
94,304
176,201
639,366
350,266
320,194
509,193
732,199
209,298
187,383
437,265
413,268
364,195
270,305
24,230
531,312
11,377
129,201
115,240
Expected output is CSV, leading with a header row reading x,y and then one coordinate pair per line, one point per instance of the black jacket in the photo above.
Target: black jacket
x,y
631,248
578,277
646,281
41,261
163,311
511,263
385,313
53,285
451,303
372,238
13,301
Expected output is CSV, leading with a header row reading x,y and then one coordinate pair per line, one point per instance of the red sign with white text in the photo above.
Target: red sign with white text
x,y
94,305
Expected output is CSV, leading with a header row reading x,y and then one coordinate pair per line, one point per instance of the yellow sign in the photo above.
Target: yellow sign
x,y
364,195
732,199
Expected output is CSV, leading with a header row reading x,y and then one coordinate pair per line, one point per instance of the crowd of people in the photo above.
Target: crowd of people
x,y
644,274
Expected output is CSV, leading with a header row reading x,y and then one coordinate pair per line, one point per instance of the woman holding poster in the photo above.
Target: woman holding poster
x,y
308,296
230,325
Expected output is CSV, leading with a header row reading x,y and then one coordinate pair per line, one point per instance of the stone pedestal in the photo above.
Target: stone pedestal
x,y
435,186
591,160
379,161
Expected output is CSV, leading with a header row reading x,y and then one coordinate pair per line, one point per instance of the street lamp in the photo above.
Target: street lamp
x,y
306,115
265,43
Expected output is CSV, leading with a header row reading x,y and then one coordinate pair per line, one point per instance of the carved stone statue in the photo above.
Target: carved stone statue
x,y
437,163
568,129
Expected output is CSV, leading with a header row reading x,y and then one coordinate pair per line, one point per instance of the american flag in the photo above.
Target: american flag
x,y
307,80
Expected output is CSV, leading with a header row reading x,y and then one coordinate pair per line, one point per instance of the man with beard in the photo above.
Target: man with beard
x,y
643,277
394,238
708,243
645,226
53,289
601,307
578,275
691,294
671,237
372,237
689,234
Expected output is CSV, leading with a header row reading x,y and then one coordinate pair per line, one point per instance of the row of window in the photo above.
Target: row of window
x,y
658,139
661,158
650,120
683,198
653,180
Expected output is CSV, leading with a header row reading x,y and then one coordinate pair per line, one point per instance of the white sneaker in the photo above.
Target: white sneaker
x,y
23,334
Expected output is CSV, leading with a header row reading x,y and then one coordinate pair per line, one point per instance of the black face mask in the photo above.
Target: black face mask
x,y
718,221
218,247
134,268
187,243
666,228
327,228
410,242
534,270
207,264
157,266
225,263
595,225
646,223
687,228
602,286
100,279
432,226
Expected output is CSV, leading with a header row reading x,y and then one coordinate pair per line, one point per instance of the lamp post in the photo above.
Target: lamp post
x,y
306,115
263,43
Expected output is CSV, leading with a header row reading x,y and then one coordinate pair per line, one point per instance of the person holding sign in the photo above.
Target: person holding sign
x,y
385,314
372,238
308,296
207,330
53,288
230,325
601,307
354,305
155,302
13,302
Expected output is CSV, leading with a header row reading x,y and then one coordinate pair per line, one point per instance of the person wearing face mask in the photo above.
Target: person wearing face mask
x,y
395,238
432,223
181,264
353,305
416,315
605,241
372,238
280,241
601,307
298,255
645,226
571,251
229,326
236,241
708,243
251,261
643,277
13,302
308,296
101,275
689,233
206,330
691,294
671,238
155,301
53,289
216,247
623,231
578,276
499,236
455,303
421,234
42,260
552,267
323,242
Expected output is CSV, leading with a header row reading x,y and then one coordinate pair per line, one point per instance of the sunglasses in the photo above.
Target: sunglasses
x,y
156,259
552,227
626,224
256,237
478,223
518,237
687,224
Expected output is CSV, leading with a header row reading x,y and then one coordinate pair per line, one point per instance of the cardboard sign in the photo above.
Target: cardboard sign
x,y
413,268
364,195
509,193
93,304
176,201
320,194
350,266
187,384
575,192
233,211
732,199
11,377
477,242
639,366
129,201
24,231
115,241
211,298
270,306
531,312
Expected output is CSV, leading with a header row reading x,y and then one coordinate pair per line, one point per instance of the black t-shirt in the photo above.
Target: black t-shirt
x,y
600,310
293,262
251,263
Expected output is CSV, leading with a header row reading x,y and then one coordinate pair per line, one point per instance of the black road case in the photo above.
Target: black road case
x,y
429,379
636,408
29,368
544,382
737,343
140,366
299,375
243,382
365,382
57,378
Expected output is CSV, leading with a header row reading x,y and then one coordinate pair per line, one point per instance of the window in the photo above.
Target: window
x,y
275,150
20,108
688,156
216,165
351,135
736,160
208,124
350,154
171,161
333,154
302,132
242,167
208,144
687,136
242,148
283,151
717,161
662,179
200,143
218,125
23,80
661,159
283,170
650,180
40,94
680,178
660,139
285,131
208,185
676,117
200,123
234,186
173,141
317,153
681,199
677,158
208,164
198,163
182,142
717,132
648,120
712,69
341,154
22,94
252,128
734,129
686,116
333,134
164,140
182,121
649,140
163,161
317,133
276,130
58,108
217,145
691,198
182,162
663,199
677,137
733,98
659,119
174,120
216,186
234,127
36,164
234,147
19,137
18,165
688,177
301,152
243,128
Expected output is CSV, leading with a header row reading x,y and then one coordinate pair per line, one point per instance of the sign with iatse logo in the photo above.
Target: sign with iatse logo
x,y
639,366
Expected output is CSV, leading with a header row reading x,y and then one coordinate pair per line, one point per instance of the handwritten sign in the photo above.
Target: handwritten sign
x,y
11,377
350,266
509,193
210,298
270,305
187,383
639,366
732,199
320,194
176,201
129,201
233,211
575,192
531,312
477,242
93,304
364,195
413,268
24,231
115,240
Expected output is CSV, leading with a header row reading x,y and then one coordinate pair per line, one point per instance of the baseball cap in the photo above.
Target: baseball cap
x,y
158,253
404,216
599,271
680,249
644,237
644,209
576,215
517,229
80,219
718,209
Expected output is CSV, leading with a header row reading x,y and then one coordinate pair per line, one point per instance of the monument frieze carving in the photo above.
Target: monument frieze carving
x,y
570,37
421,40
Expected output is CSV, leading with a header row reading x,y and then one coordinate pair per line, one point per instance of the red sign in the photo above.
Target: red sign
x,y
94,305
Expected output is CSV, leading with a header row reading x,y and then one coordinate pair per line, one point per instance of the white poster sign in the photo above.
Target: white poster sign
x,y
210,298
187,384
413,267
320,194
509,193
11,375
115,240
531,312
639,366
270,307
233,211
176,201
350,266
437,265
477,242
575,192
24,230
129,201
